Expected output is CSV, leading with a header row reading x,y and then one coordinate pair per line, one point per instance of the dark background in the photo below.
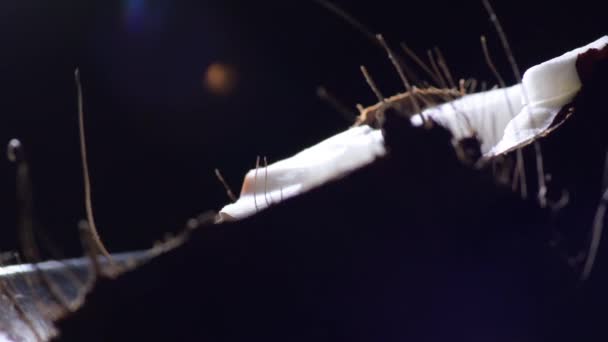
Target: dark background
x,y
155,133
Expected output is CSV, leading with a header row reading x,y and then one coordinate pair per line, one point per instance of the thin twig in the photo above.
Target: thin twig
x,y
442,83
420,63
490,63
540,172
348,18
372,84
229,192
596,236
472,86
266,182
461,87
404,79
444,66
348,114
520,163
255,183
598,226
85,171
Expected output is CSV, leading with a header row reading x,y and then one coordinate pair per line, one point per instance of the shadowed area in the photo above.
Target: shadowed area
x,y
353,260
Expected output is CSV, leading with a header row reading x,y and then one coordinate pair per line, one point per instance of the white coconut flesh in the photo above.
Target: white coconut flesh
x,y
327,160
502,119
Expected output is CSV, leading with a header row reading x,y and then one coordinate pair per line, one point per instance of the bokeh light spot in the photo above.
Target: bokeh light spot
x,y
220,79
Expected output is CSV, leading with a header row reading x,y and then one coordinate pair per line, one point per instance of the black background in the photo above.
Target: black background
x,y
155,134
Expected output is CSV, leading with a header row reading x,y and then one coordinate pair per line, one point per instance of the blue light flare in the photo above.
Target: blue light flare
x,y
141,15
